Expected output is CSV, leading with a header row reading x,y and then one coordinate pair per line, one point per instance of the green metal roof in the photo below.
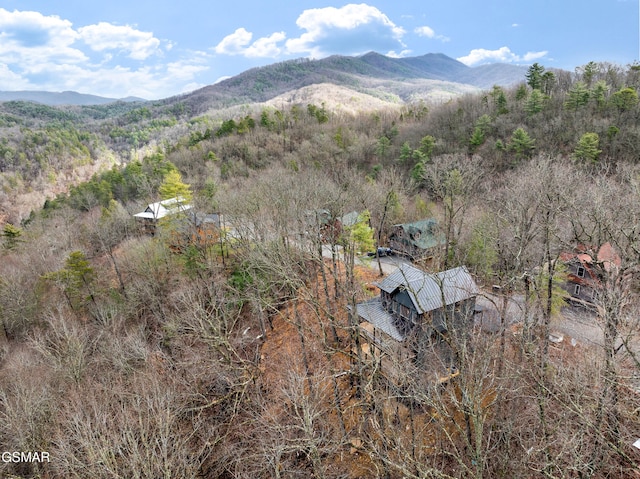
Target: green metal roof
x,y
424,233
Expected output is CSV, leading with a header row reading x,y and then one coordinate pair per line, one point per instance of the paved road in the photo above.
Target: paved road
x,y
389,263
575,325
574,322
578,323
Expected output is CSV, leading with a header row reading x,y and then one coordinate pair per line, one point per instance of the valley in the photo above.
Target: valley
x,y
186,289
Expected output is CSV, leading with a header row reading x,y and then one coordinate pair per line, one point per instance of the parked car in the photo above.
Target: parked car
x,y
382,251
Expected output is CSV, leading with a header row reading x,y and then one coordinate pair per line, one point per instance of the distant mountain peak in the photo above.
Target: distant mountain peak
x,y
431,77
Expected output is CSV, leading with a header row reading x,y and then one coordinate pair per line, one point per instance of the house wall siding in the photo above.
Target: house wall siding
x,y
586,291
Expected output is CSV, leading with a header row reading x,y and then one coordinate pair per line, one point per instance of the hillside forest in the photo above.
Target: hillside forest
x,y
237,354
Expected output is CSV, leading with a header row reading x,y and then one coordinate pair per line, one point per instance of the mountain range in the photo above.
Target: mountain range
x,y
61,98
433,76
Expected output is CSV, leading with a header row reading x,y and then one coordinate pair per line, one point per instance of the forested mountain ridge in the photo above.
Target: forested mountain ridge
x,y
34,160
407,78
235,355
45,148
263,83
60,98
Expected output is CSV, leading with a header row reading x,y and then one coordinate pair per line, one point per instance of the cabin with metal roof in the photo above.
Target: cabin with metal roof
x,y
154,212
417,240
417,313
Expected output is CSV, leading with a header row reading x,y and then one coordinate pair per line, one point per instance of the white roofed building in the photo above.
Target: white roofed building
x,y
156,211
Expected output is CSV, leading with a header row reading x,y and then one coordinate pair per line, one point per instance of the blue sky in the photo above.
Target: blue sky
x,y
156,49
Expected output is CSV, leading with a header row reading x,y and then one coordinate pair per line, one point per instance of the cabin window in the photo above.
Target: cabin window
x,y
577,290
580,272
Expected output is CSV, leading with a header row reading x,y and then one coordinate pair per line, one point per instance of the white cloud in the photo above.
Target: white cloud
x,y
349,17
239,43
235,43
106,36
47,53
428,32
352,29
150,82
266,46
393,54
425,31
31,38
529,56
502,55
184,70
119,81
10,80
480,55
34,29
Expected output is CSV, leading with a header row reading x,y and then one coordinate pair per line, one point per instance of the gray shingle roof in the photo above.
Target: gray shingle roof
x,y
429,292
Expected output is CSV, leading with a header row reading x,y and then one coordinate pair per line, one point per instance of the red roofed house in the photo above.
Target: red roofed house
x,y
585,273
